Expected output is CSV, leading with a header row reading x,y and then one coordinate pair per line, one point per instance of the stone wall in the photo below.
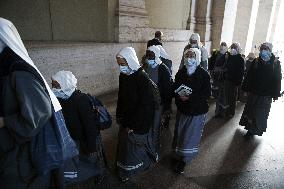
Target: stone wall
x,y
93,64
64,20
168,14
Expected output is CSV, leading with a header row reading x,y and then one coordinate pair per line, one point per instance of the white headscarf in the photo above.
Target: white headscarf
x,y
203,51
195,36
156,50
239,49
130,55
10,36
269,45
67,81
163,52
197,54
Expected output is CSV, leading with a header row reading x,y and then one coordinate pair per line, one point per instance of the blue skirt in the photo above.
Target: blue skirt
x,y
188,132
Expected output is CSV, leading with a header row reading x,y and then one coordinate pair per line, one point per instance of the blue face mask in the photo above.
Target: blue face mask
x,y
190,62
194,45
191,65
152,63
265,55
125,70
234,52
60,94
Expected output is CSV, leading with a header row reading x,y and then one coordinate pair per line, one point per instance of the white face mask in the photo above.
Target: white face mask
x,y
2,45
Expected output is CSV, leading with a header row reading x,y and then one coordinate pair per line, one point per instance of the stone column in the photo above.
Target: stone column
x,y
229,21
191,19
273,22
132,20
218,9
262,22
242,23
251,29
203,21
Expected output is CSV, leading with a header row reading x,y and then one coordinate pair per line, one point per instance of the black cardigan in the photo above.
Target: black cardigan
x,y
135,104
236,68
199,81
81,120
165,86
154,41
264,79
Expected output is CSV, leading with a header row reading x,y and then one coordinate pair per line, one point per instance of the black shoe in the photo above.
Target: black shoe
x,y
180,167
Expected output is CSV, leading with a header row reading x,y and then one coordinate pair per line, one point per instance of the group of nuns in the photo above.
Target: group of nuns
x,y
143,109
141,122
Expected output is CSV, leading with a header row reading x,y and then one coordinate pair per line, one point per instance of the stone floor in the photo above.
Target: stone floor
x,y
226,159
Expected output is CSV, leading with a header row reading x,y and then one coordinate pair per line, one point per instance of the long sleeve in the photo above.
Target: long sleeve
x,y
165,87
88,119
142,118
205,90
278,78
34,105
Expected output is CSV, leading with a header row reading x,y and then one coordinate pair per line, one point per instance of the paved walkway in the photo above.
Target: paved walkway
x,y
226,160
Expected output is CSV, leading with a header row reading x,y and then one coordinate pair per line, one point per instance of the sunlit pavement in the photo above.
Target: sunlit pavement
x,y
226,159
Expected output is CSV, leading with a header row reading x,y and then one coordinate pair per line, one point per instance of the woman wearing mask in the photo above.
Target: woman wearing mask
x,y
263,83
134,115
194,42
232,65
81,122
192,89
160,75
214,70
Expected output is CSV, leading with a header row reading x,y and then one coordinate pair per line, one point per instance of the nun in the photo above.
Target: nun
x,y
232,65
135,116
161,76
262,83
192,89
27,109
81,122
194,42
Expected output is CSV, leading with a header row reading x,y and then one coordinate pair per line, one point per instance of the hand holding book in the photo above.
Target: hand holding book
x,y
183,90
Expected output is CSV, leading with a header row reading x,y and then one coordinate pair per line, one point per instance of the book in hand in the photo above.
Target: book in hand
x,y
183,90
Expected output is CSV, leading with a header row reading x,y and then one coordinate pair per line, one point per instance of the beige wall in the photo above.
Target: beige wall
x,y
64,20
168,14
112,19
93,64
31,18
79,20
